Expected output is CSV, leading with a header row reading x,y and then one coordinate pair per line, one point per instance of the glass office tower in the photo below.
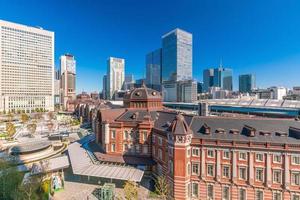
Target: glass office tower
x,y
247,82
223,78
208,79
153,69
177,51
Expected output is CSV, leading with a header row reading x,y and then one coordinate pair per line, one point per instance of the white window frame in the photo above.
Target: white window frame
x,y
293,181
295,194
296,156
213,170
223,175
241,153
243,167
213,192
274,160
280,178
255,194
208,154
241,188
198,171
258,155
263,175
276,192
197,195
113,149
228,187
197,150
224,157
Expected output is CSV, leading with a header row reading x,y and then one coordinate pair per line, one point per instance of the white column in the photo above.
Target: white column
x,y
218,165
269,171
203,164
251,169
234,166
286,171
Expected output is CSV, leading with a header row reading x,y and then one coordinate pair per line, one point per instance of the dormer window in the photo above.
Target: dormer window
x,y
220,130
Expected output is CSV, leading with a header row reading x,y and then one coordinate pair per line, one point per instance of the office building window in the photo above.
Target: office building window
x,y
113,147
160,154
225,193
188,169
277,176
259,157
226,171
277,158
243,173
113,134
210,153
210,170
195,151
210,192
259,174
195,190
242,194
126,135
195,168
242,155
259,195
295,197
296,159
295,178
277,195
226,154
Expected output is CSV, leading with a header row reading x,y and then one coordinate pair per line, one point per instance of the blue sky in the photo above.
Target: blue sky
x,y
260,37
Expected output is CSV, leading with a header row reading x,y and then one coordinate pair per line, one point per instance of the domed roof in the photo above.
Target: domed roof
x,y
142,93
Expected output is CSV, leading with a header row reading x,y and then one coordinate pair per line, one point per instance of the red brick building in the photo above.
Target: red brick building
x,y
203,157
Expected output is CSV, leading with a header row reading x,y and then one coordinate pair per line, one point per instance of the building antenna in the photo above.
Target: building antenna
x,y
221,62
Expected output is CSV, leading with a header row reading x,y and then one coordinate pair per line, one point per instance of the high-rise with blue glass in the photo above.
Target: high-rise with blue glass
x,y
177,55
247,82
153,69
208,79
223,78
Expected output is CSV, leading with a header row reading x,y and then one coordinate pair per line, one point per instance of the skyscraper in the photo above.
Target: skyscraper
x,y
208,79
129,82
115,75
27,68
177,55
68,78
247,83
104,87
223,78
153,69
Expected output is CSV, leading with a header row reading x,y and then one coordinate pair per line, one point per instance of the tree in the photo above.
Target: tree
x,y
24,118
130,190
161,187
10,116
50,115
10,180
31,128
50,126
10,129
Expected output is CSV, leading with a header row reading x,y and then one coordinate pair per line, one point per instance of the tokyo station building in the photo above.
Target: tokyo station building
x,y
202,157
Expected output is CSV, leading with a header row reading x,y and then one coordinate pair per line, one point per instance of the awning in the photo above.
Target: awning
x,y
53,164
82,164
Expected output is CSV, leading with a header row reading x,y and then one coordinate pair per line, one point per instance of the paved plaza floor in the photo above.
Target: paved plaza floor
x,y
81,191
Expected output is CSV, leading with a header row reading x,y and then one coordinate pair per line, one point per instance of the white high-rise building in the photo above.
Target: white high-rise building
x,y
115,76
68,78
26,68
